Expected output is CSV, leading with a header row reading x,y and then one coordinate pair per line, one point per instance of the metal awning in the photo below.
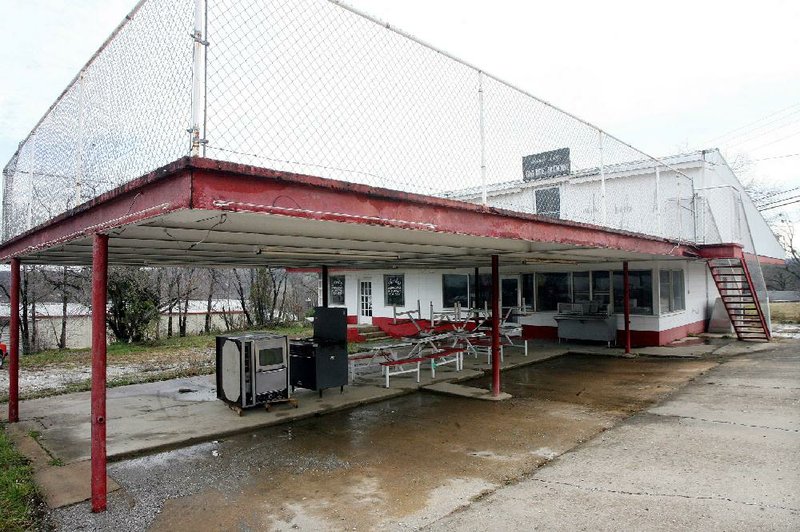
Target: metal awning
x,y
200,212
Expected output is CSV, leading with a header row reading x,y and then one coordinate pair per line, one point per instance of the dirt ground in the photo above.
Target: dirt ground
x,y
397,464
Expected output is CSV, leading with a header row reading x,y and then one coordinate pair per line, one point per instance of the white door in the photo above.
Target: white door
x,y
365,302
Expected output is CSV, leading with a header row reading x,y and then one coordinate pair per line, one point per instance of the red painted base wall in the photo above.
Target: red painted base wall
x,y
638,338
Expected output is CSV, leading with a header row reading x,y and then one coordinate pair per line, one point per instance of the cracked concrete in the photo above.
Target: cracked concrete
x,y
721,454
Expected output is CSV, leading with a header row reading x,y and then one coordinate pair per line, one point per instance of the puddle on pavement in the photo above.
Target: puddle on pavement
x,y
411,459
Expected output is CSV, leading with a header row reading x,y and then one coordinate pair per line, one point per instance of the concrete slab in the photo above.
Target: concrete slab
x,y
721,454
145,418
69,484
19,434
459,390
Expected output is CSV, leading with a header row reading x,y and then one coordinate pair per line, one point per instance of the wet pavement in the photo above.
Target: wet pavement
x,y
723,453
401,463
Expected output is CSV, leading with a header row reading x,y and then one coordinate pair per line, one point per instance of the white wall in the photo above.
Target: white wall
x,y
426,286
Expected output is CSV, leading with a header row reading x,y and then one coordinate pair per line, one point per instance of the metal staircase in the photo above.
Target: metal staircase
x,y
739,297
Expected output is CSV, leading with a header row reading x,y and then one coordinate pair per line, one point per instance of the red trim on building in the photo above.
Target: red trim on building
x,y
222,186
721,251
771,261
165,190
230,187
638,338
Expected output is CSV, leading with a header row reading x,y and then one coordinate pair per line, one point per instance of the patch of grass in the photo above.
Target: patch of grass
x,y
123,352
785,312
57,462
20,505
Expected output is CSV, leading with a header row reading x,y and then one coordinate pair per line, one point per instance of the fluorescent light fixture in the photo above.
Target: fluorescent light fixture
x,y
343,254
549,261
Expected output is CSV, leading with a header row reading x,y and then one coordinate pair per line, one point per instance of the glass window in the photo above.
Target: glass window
x,y
548,202
678,291
580,287
641,292
510,293
665,291
394,290
455,289
482,298
551,289
601,287
672,298
336,289
527,290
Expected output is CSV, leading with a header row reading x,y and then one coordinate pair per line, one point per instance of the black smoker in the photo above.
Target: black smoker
x,y
321,362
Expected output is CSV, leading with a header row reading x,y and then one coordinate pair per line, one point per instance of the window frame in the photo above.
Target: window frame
x,y
386,295
331,281
671,291
468,289
549,213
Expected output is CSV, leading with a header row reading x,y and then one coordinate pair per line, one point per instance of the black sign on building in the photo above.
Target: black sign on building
x,y
546,164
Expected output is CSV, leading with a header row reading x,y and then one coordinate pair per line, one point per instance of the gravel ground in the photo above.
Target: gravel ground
x,y
59,377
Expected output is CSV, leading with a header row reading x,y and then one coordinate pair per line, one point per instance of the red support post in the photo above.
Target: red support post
x,y
627,305
13,348
99,299
325,286
495,325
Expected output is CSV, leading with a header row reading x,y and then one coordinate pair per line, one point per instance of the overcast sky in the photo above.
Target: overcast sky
x,y
663,76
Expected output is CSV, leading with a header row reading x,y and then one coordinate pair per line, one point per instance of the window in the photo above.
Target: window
x,y
601,288
481,296
527,290
548,202
580,287
394,290
551,289
672,291
641,292
336,289
455,289
510,292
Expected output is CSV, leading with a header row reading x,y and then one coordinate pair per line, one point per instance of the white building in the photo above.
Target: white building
x,y
695,198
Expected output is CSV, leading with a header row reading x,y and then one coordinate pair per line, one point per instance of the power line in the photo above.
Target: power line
x,y
752,135
757,131
781,200
775,157
752,123
781,139
797,200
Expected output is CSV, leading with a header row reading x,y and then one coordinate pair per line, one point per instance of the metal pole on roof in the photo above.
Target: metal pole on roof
x,y
603,212
495,325
658,202
627,304
31,183
483,137
98,417
197,129
325,286
79,162
13,340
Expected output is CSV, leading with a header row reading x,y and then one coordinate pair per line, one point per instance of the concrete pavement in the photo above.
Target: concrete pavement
x,y
721,454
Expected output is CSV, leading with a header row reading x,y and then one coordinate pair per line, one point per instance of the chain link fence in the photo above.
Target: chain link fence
x,y
125,114
314,87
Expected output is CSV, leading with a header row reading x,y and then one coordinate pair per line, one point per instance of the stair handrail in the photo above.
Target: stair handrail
x,y
753,291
